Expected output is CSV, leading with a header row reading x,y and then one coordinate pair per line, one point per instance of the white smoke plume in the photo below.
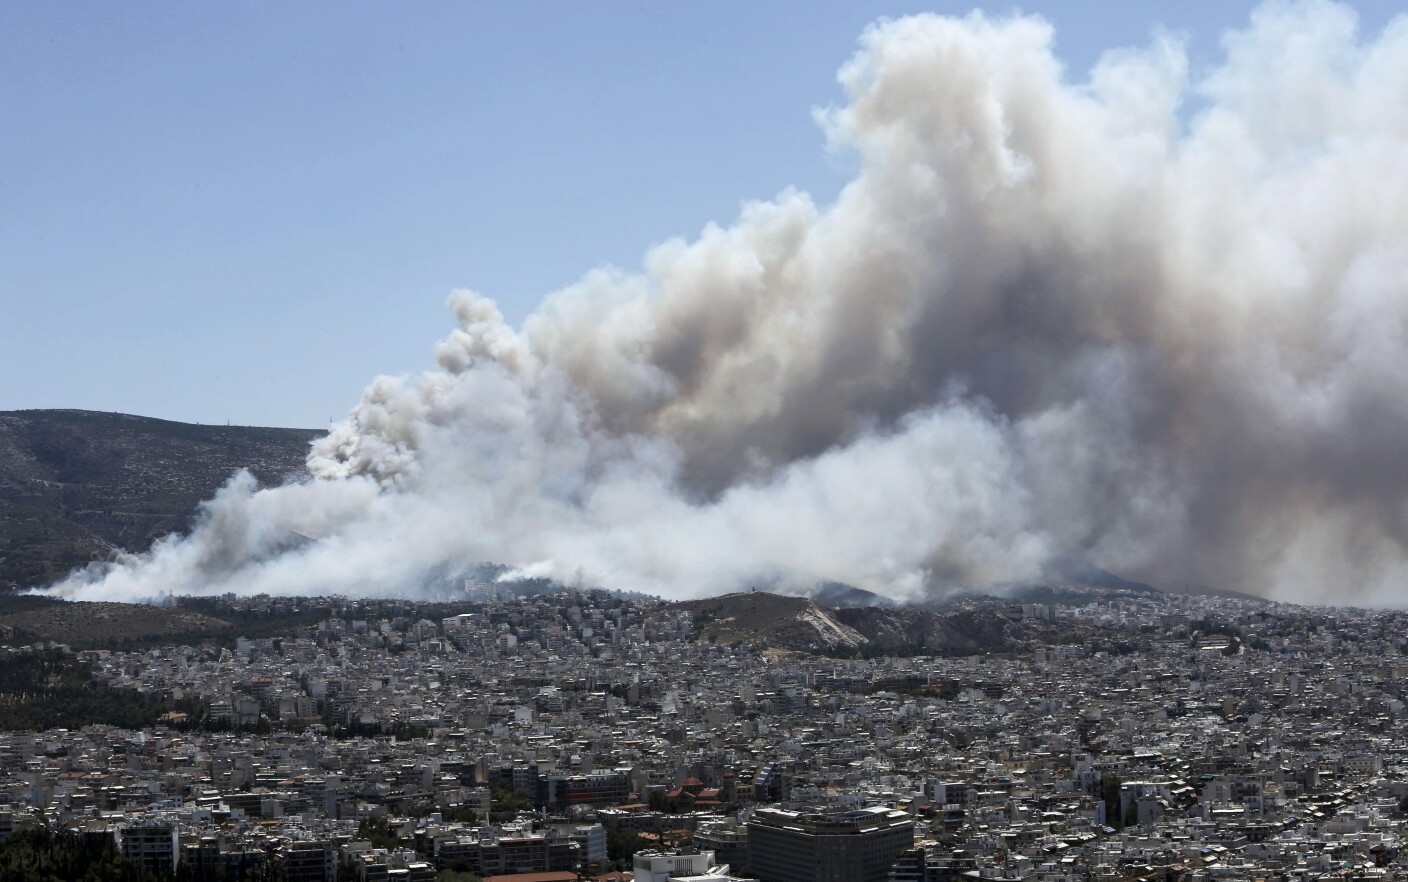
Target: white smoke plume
x,y
1154,320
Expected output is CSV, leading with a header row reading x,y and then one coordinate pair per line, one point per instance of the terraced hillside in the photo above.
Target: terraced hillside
x,y
76,485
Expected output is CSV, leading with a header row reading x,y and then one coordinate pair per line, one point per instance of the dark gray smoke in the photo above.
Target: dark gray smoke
x,y
1047,319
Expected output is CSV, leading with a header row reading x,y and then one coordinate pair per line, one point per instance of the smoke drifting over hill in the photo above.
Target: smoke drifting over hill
x,y
1047,318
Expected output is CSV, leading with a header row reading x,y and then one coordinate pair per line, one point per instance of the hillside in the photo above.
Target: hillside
x,y
31,619
802,625
75,485
774,620
910,630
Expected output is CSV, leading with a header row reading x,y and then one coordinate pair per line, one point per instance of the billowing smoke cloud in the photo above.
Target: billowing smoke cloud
x,y
1155,320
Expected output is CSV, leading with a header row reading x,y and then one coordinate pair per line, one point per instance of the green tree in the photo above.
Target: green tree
x,y
376,831
505,804
1110,785
659,802
42,856
621,846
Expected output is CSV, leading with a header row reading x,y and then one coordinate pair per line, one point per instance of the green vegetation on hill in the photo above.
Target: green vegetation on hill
x,y
252,623
53,689
801,625
26,619
42,856
106,625
77,485
11,604
766,619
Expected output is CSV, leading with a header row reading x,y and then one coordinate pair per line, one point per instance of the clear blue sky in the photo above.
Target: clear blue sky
x,y
244,211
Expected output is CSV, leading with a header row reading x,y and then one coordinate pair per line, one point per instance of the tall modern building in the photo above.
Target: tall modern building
x,y
853,846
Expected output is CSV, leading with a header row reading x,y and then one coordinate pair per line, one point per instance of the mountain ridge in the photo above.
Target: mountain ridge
x,y
78,485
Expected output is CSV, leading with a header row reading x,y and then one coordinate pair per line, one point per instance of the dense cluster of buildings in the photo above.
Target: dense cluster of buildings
x,y
585,733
